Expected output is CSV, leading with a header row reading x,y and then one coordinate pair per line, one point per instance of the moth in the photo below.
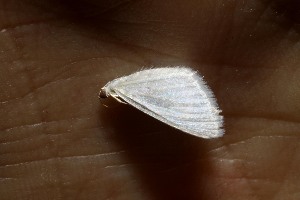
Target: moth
x,y
177,96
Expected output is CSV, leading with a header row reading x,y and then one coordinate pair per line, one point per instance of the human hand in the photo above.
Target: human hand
x,y
58,141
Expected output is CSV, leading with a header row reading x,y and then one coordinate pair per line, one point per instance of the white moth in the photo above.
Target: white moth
x,y
176,96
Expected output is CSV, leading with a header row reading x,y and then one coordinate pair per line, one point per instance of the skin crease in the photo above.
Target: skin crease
x,y
58,141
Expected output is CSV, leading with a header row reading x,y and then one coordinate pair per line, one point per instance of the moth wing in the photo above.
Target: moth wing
x,y
175,96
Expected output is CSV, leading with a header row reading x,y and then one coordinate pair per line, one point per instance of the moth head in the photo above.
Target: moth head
x,y
103,93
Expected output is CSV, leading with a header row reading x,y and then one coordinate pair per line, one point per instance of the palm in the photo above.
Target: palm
x,y
58,141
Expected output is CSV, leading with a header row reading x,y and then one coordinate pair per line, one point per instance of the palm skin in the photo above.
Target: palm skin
x,y
59,141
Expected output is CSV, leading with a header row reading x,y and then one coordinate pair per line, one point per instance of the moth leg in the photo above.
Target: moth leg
x,y
118,98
